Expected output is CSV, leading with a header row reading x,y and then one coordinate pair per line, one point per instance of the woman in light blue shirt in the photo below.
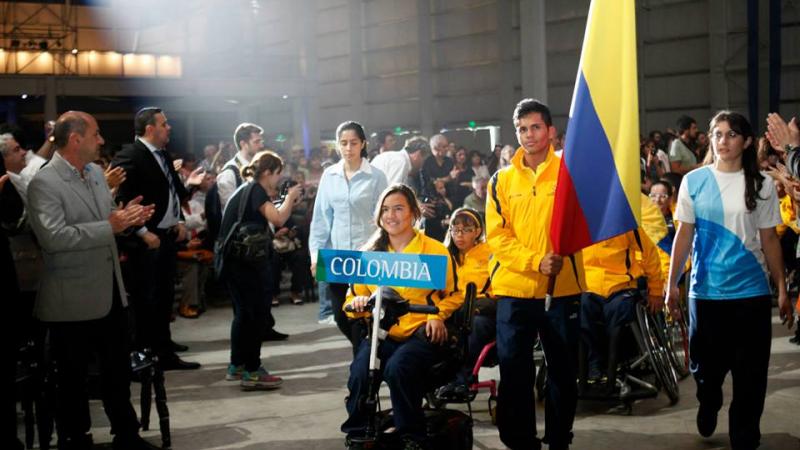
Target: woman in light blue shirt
x,y
346,198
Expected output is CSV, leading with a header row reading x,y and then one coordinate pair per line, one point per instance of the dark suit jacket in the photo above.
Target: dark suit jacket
x,y
143,176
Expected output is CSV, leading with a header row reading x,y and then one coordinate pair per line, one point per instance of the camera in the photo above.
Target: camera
x,y
284,190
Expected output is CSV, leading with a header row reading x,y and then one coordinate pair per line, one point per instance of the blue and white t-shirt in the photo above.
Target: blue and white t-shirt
x,y
727,260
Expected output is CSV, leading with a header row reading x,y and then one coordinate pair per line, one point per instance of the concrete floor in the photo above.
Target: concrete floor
x,y
207,412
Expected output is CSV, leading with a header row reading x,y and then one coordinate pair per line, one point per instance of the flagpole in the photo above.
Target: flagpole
x,y
551,287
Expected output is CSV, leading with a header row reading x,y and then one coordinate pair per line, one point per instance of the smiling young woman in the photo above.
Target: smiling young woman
x,y
414,343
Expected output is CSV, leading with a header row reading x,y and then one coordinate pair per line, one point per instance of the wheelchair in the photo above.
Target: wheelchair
x,y
645,364
676,330
446,429
486,358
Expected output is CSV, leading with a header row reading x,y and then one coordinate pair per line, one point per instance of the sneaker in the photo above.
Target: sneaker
x,y
594,376
706,421
259,380
297,299
327,321
454,392
234,373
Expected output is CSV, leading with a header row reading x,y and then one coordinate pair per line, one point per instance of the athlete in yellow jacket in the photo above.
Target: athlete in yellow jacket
x,y
613,268
615,264
447,299
466,243
519,209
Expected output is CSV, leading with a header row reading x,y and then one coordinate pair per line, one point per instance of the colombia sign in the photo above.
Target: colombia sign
x,y
382,269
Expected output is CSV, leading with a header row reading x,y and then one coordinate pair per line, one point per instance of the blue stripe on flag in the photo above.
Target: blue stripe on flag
x,y
594,174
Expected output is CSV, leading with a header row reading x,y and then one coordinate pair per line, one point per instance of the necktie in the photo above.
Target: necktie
x,y
164,163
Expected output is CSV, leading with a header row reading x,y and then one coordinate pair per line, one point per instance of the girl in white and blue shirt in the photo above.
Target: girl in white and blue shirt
x,y
727,213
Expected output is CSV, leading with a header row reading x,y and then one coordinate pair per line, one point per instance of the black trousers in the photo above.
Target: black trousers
x,y
732,336
150,280
247,285
519,321
73,344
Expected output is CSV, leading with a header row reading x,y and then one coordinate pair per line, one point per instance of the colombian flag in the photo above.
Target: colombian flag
x,y
598,191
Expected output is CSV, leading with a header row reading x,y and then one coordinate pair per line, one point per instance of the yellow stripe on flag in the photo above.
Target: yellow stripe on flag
x,y
608,63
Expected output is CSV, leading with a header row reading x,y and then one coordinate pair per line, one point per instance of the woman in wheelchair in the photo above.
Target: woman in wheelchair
x,y
612,270
414,344
467,245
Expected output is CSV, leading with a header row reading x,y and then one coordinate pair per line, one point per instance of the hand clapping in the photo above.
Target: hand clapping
x,y
132,214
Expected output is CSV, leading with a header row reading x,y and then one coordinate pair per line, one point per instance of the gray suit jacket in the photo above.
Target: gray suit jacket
x,y
70,219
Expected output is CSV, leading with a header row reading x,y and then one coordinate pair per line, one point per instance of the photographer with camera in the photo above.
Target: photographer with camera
x,y
245,245
347,195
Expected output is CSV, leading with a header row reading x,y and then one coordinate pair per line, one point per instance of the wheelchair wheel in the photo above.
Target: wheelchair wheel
x,y
654,343
677,334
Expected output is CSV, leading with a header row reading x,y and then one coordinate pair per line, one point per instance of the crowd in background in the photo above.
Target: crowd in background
x,y
300,199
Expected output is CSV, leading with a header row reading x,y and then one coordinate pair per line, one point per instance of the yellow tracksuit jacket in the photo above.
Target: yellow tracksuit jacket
x,y
519,208
475,269
615,264
446,299
789,217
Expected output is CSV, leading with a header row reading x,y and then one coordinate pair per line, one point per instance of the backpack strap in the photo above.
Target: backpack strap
x,y
239,214
237,174
243,202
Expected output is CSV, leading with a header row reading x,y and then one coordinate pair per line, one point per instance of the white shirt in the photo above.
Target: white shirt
x,y
226,180
33,163
195,217
727,258
481,171
396,165
662,156
170,218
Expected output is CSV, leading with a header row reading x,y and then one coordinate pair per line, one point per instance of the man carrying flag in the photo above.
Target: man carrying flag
x,y
597,198
518,211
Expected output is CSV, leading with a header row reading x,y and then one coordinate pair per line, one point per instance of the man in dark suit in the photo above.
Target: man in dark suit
x,y
81,295
151,259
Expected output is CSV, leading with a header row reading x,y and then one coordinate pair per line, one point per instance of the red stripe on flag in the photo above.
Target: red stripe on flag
x,y
568,229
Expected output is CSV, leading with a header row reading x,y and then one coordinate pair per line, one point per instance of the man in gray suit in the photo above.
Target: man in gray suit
x,y
81,295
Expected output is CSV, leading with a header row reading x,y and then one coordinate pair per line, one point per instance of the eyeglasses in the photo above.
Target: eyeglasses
x,y
457,231
658,196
